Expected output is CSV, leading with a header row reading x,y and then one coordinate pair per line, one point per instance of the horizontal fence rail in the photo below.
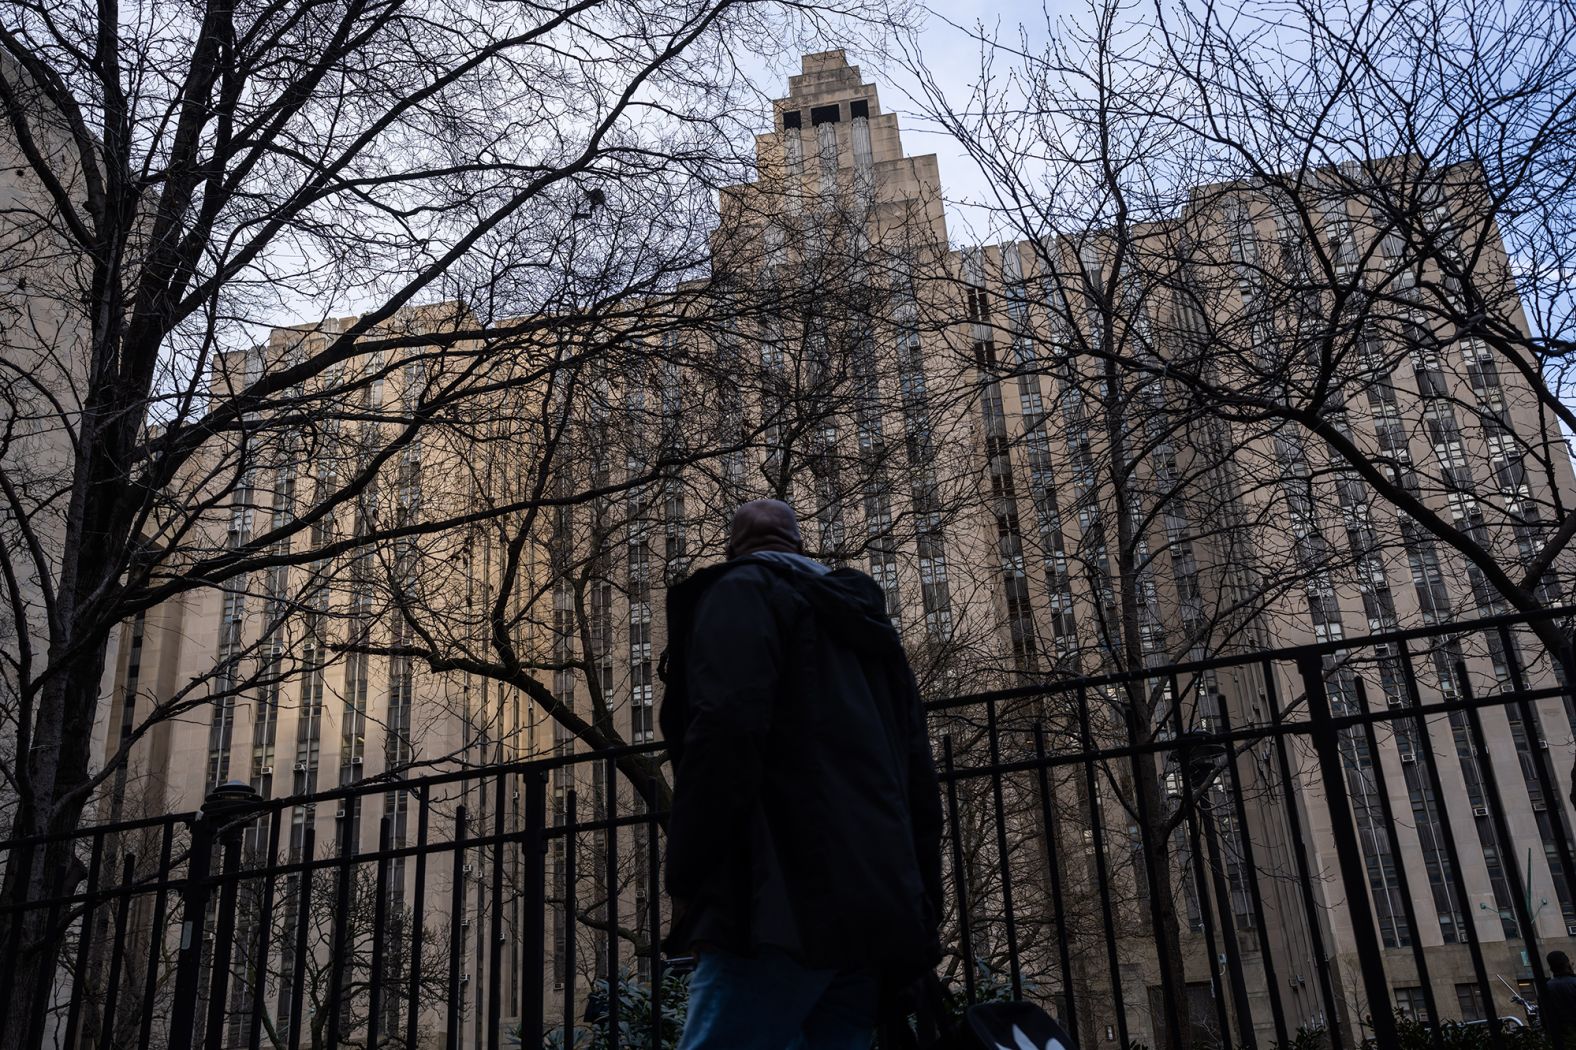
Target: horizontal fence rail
x,y
1331,843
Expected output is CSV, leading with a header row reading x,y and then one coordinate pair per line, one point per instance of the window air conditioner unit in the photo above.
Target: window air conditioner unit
x,y
1480,811
466,870
355,760
266,771
341,812
1570,929
1409,757
1543,745
300,767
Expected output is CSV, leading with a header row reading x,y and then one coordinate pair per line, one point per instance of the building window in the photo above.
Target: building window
x,y
977,301
1409,1002
1469,997
938,622
1462,507
883,569
1450,453
985,355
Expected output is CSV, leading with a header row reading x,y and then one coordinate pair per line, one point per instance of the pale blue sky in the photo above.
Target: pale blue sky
x,y
953,60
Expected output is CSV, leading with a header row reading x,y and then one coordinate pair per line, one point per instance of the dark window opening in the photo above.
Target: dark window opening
x,y
791,118
978,303
824,115
1469,998
859,108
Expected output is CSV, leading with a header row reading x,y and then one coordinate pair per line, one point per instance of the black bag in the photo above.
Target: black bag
x,y
1010,1026
985,1026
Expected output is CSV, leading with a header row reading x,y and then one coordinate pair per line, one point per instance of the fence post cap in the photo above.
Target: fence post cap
x,y
231,801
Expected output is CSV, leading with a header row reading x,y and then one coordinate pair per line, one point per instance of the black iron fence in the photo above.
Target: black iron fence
x,y
1324,843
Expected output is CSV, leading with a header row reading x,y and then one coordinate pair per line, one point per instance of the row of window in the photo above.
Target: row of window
x,y
1410,1001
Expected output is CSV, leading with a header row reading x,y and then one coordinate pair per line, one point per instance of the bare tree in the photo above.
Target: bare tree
x,y
1409,244
1376,209
184,176
1195,455
1331,243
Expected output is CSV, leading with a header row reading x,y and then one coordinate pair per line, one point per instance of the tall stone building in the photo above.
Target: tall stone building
x,y
43,373
947,423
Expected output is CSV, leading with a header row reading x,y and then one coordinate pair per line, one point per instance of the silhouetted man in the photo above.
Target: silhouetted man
x,y
1557,1003
804,856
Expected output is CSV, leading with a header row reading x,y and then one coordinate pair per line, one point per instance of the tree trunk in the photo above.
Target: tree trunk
x,y
1156,843
57,765
1138,718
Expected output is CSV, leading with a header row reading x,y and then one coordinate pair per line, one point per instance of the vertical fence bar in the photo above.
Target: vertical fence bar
x,y
84,941
1311,913
1519,886
1463,920
1266,955
533,935
264,939
570,918
1203,888
1548,782
344,904
303,919
474,995
150,986
128,872
223,940
959,878
380,923
610,778
1014,969
1228,928
1206,768
1171,997
495,927
654,908
1049,827
194,917
1332,767
456,930
1102,876
418,911
1409,909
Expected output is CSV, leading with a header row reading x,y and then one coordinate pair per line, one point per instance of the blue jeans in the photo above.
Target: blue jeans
x,y
771,1002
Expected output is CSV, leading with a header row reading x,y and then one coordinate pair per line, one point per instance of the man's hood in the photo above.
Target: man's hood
x,y
849,603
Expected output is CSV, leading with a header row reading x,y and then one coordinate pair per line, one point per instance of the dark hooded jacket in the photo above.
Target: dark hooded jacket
x,y
806,814
1557,1010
